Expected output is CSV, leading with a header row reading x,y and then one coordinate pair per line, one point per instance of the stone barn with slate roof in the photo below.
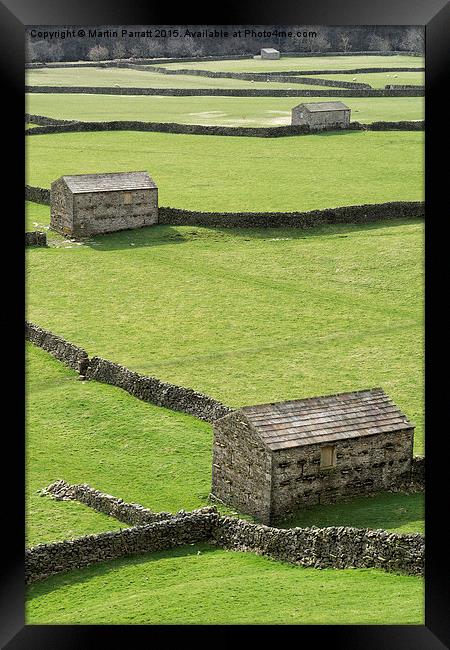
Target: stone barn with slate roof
x,y
92,204
322,115
270,53
274,459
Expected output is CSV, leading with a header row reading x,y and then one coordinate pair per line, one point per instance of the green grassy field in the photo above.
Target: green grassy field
x,y
286,63
127,78
89,432
86,432
37,217
246,316
227,111
214,172
402,513
380,79
203,585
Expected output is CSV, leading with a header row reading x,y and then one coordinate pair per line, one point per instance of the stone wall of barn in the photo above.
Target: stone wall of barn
x,y
102,212
242,468
61,208
321,119
270,55
363,465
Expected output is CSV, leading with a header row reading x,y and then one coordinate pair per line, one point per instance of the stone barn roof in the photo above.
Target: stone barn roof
x,y
314,107
86,183
324,419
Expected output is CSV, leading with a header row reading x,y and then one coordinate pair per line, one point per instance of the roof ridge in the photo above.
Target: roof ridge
x,y
306,399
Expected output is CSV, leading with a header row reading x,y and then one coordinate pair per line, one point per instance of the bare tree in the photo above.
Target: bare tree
x,y
30,50
118,50
379,43
344,42
56,52
98,53
321,42
414,40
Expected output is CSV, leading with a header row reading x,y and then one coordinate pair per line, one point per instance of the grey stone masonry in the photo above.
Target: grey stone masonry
x,y
45,560
321,115
336,547
273,459
151,389
92,204
70,354
35,238
270,53
130,513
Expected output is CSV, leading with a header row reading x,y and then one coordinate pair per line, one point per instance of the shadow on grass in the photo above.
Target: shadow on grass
x,y
158,235
399,512
79,576
161,235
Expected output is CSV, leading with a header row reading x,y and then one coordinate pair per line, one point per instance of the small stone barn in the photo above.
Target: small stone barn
x,y
322,115
274,459
270,53
92,204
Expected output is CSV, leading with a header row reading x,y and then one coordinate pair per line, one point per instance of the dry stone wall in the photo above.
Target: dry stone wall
x,y
148,389
411,91
254,76
155,391
43,120
130,513
418,471
346,214
335,547
282,73
35,238
37,194
402,87
225,57
55,126
68,353
45,560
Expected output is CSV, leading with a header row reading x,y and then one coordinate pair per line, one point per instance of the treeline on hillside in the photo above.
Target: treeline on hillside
x,y
101,42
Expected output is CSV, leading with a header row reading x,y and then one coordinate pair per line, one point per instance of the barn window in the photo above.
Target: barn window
x,y
127,198
328,456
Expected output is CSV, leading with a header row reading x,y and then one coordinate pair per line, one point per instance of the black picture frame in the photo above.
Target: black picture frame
x,y
14,16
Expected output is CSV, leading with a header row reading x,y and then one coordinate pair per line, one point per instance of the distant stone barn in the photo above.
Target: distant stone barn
x,y
274,459
270,53
92,204
322,115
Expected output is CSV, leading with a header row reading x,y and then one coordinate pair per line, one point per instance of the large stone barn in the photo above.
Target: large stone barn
x,y
270,53
274,459
322,115
91,204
